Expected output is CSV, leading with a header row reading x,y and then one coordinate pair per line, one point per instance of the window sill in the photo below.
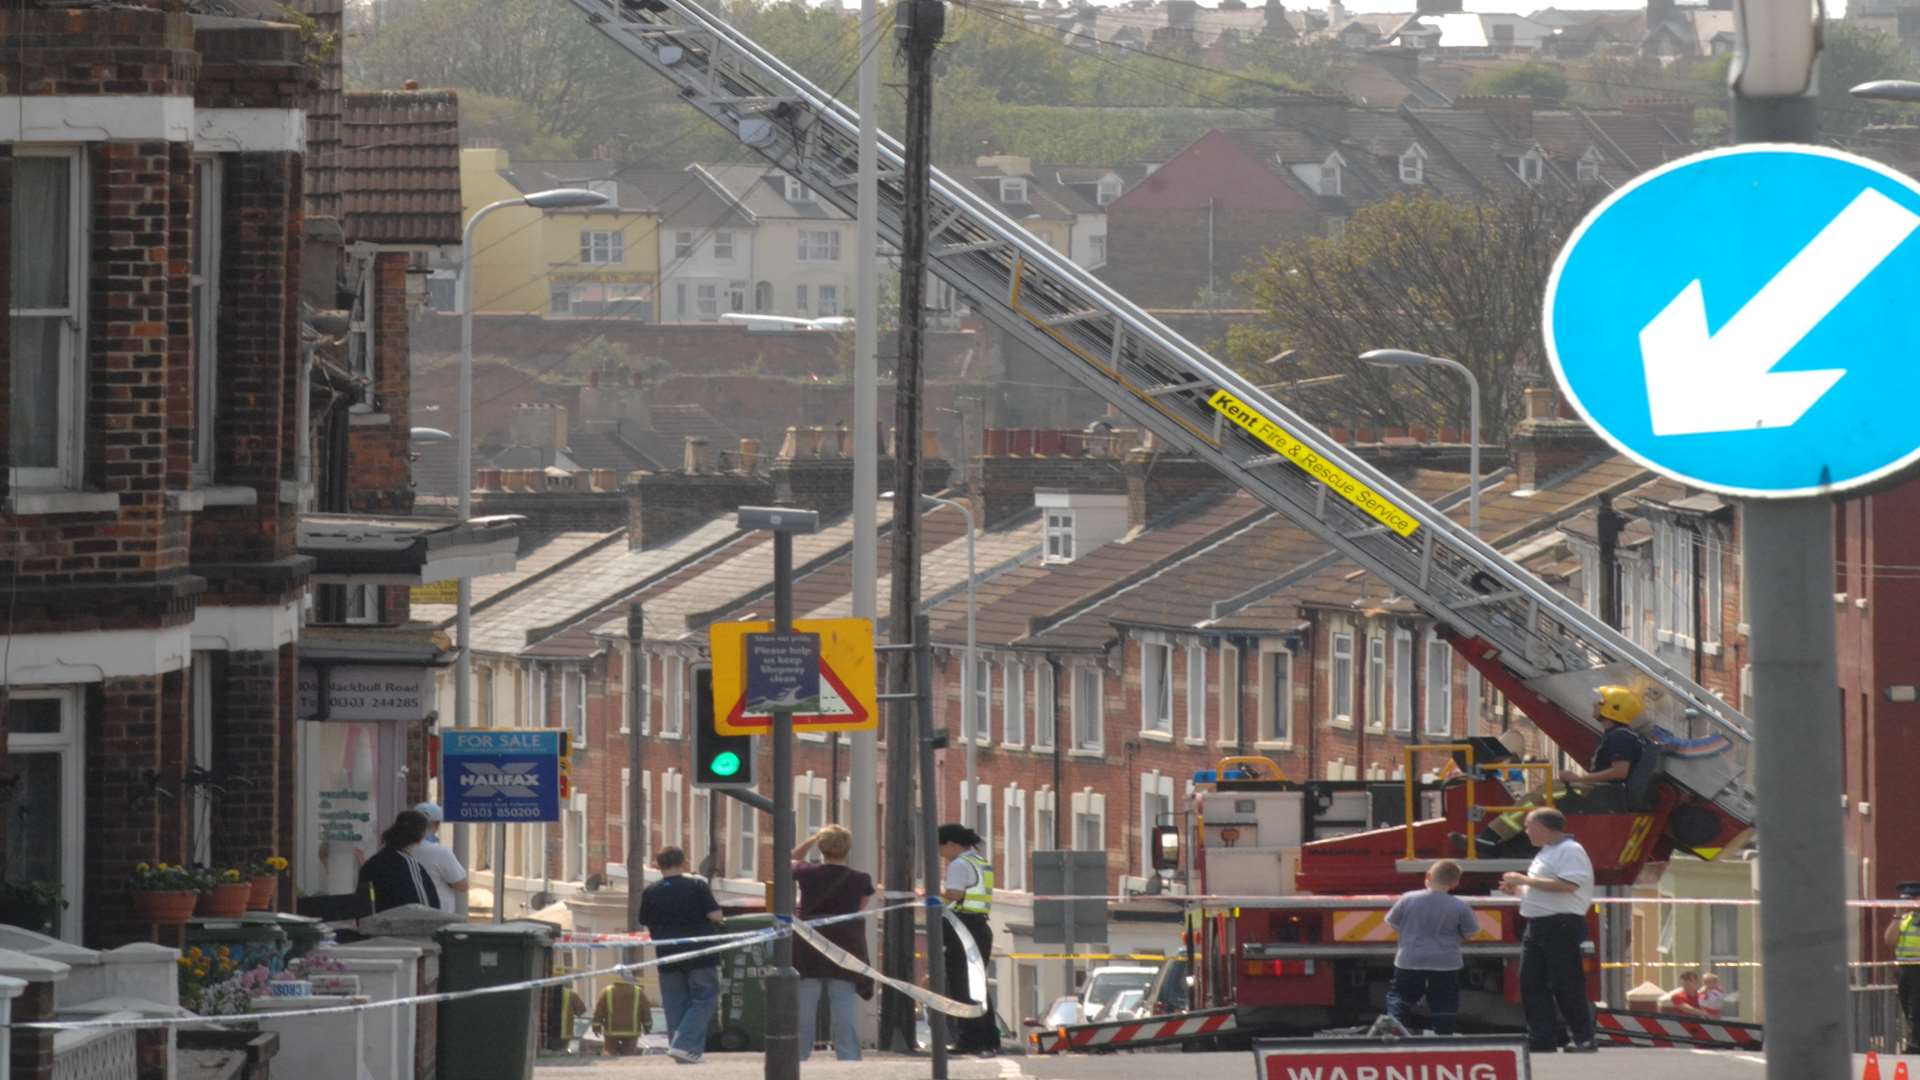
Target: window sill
x,y
1272,744
1202,741
43,502
1344,723
1088,754
372,419
222,495
1013,746
1158,736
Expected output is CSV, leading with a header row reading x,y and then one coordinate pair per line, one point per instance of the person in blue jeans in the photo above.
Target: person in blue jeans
x,y
827,889
680,905
1431,924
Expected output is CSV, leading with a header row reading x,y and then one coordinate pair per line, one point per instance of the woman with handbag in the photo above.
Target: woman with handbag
x,y
828,888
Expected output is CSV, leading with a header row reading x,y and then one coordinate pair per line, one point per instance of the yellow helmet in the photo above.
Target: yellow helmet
x,y
1618,704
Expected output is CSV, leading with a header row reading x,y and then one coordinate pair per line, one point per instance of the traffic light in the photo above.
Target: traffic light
x,y
718,760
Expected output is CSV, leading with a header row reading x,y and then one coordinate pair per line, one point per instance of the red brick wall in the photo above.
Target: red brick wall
x,y
250,738
135,734
380,476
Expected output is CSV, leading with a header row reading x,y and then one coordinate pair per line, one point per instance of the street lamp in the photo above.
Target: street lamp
x,y
555,199
1888,90
1397,358
968,693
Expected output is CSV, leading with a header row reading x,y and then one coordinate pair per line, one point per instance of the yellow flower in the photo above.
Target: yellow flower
x,y
225,952
140,868
277,863
200,973
184,962
231,875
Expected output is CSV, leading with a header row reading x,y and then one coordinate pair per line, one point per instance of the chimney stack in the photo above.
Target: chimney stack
x,y
539,425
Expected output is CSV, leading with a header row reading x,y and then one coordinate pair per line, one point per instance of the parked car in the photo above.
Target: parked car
x,y
1105,984
1126,1006
1171,991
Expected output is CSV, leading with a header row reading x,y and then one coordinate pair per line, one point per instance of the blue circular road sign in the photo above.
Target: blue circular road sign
x,y
1744,320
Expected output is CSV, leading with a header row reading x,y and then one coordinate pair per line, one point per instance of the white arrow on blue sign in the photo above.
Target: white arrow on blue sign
x,y
1747,320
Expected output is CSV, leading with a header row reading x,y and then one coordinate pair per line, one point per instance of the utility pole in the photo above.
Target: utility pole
x,y
919,24
864,759
637,808
1788,548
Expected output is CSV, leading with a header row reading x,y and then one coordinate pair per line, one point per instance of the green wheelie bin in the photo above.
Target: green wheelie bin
x,y
492,1036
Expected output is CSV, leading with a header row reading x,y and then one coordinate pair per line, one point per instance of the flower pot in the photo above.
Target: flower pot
x,y
263,888
226,901
167,907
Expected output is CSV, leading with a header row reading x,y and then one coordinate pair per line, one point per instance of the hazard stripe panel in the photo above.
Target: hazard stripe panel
x,y
1121,1034
1622,1028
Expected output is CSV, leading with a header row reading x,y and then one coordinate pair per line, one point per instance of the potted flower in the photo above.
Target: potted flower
x,y
33,905
227,898
164,893
264,877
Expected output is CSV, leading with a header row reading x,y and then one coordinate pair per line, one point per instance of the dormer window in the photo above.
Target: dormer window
x,y
798,192
1330,171
1413,165
1588,169
1531,167
1013,189
1108,190
1059,536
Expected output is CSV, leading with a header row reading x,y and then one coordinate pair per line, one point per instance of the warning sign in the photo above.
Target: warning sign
x,y
1341,482
842,698
1441,1058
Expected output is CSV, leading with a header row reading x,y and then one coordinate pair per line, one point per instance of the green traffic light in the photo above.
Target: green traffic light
x,y
726,764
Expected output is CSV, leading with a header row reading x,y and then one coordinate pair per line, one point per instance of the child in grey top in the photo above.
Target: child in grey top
x,y
1432,923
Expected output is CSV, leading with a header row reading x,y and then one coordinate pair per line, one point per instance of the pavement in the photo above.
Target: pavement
x,y
1606,1065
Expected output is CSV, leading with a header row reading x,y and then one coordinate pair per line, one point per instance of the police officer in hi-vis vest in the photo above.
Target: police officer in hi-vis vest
x,y
968,891
1903,934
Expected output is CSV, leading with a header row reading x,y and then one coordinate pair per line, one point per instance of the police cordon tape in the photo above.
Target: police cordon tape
x,y
721,943
976,970
1387,899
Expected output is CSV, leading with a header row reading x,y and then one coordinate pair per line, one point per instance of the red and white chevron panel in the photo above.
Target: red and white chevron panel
x,y
1621,1028
1122,1034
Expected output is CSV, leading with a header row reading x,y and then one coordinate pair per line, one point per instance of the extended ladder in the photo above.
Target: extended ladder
x,y
1190,400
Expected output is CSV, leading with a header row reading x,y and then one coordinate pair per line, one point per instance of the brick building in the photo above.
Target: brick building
x,y
152,165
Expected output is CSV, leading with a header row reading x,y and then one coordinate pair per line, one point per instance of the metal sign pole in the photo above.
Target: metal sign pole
x,y
783,989
1787,546
930,827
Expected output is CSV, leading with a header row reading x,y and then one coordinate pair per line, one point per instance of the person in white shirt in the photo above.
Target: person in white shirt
x,y
1555,894
438,861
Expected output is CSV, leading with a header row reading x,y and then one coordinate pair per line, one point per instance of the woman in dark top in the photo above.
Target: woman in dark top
x,y
831,888
393,877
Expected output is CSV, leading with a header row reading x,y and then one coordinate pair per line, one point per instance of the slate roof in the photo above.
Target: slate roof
x,y
1010,606
762,190
597,579
611,450
1182,594
1510,516
1044,196
664,439
397,169
534,563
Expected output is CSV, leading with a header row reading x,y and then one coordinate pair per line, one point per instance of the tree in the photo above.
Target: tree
x,y
1446,278
1542,82
1849,56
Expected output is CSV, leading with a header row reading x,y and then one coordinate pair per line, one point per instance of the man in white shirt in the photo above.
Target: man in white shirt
x,y
1555,894
437,859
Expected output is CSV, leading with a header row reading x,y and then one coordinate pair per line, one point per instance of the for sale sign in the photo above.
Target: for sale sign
x,y
1401,1059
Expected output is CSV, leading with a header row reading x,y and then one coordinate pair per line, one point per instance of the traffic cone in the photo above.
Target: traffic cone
x,y
1873,1067
1899,1070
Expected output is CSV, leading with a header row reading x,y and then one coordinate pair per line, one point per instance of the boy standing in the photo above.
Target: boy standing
x,y
1431,922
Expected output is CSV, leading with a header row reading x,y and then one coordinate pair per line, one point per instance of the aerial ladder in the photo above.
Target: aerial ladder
x,y
1545,652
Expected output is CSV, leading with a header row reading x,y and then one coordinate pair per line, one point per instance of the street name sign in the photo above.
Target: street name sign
x,y
1741,320
1440,1058
501,774
843,699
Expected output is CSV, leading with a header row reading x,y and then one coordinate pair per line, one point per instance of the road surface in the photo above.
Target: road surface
x,y
1606,1065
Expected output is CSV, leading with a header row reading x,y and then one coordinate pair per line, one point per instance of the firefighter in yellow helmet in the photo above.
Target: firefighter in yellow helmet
x,y
1605,777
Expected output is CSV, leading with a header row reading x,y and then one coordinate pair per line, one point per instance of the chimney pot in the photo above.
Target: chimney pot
x,y
1046,443
604,480
790,448
488,480
1364,434
695,458
994,443
1340,433
749,455
1541,403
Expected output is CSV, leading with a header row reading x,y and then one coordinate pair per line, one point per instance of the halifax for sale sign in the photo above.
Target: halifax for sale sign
x,y
500,774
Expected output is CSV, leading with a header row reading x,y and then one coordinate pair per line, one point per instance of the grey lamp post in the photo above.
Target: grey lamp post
x,y
1394,358
969,692
556,199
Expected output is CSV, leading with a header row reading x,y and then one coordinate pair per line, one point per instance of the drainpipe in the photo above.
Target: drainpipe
x,y
1059,760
